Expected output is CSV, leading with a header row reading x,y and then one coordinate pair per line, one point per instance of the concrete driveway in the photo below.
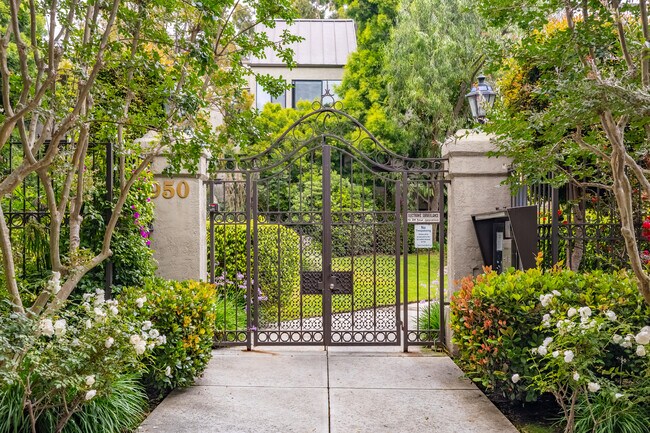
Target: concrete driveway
x,y
340,390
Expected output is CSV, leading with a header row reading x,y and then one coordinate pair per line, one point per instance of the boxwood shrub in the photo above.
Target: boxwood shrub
x,y
279,258
496,319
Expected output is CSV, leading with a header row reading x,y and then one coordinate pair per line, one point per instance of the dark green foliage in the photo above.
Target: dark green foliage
x,y
132,258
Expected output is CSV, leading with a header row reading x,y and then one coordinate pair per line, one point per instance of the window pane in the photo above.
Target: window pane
x,y
307,91
262,97
332,85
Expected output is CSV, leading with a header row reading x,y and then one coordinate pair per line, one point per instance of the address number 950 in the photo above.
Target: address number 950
x,y
170,189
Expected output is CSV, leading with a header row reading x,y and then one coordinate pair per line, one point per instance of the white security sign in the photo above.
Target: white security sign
x,y
423,236
423,217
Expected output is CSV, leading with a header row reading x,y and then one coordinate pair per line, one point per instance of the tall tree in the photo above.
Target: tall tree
x,y
364,87
118,69
431,60
579,104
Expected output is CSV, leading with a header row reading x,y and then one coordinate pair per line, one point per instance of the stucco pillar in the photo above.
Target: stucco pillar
x,y
179,236
475,187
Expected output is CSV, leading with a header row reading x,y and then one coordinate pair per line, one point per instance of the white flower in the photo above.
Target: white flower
x,y
593,386
87,296
59,327
154,333
515,378
90,380
568,355
545,299
627,341
533,351
46,327
542,350
99,313
556,353
610,315
556,293
89,324
75,342
140,347
617,338
90,394
140,301
109,342
572,312
162,340
618,395
576,376
546,317
54,285
146,325
642,337
640,350
547,341
585,312
138,344
113,309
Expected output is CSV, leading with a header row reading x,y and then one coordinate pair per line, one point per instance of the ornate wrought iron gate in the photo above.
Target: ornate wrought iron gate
x,y
310,239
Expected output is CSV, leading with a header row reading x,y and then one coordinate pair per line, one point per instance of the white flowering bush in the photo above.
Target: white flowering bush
x,y
590,350
60,365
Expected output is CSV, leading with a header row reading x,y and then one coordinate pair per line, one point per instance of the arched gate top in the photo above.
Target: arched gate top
x,y
330,123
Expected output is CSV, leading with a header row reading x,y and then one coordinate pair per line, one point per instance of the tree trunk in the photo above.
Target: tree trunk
x,y
578,249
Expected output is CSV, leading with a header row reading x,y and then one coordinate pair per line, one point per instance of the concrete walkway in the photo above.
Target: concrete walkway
x,y
341,390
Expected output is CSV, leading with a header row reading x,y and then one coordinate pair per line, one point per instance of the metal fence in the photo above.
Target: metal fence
x,y
578,226
28,217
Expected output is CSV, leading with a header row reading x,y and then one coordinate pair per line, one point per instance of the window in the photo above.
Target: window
x,y
311,90
262,97
307,91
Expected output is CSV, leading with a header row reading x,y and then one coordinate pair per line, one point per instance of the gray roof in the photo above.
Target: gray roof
x,y
326,42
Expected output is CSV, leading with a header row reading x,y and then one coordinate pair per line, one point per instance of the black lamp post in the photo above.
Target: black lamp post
x,y
481,99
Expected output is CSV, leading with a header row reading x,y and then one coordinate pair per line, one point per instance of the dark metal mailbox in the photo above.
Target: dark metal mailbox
x,y
507,237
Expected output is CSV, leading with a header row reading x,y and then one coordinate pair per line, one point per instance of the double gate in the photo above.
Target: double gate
x,y
313,241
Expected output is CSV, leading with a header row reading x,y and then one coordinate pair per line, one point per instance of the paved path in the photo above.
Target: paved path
x,y
341,390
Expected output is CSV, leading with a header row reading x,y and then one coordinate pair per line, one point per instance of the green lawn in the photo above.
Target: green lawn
x,y
374,285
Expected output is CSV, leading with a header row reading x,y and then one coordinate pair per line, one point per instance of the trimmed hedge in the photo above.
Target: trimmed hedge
x,y
279,258
496,319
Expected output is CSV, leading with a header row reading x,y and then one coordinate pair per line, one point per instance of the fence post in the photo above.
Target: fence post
x,y
555,225
110,180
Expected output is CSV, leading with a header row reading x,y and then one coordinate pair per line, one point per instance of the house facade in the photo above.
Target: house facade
x,y
319,58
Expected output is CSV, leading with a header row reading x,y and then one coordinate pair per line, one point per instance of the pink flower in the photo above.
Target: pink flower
x,y
148,243
136,215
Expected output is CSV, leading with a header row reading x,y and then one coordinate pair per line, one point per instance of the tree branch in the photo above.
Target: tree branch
x,y
645,51
8,264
